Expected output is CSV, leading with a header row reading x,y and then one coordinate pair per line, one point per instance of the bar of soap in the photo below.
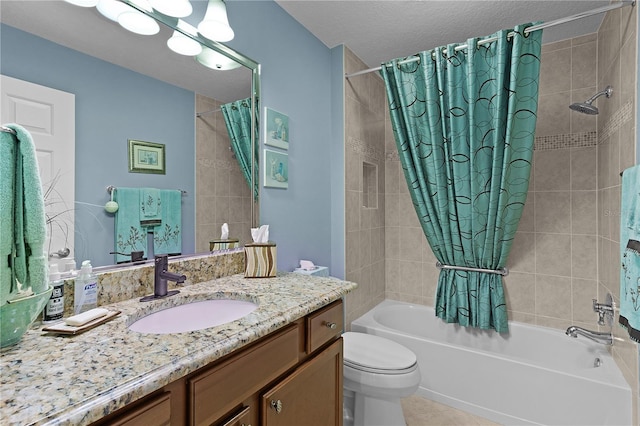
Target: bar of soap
x,y
85,317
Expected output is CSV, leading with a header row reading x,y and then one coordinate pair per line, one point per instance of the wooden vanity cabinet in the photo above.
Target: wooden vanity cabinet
x,y
292,377
310,396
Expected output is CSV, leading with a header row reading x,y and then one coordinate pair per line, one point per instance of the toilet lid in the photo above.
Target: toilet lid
x,y
369,352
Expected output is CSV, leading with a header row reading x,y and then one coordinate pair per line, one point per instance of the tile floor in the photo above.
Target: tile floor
x,y
419,411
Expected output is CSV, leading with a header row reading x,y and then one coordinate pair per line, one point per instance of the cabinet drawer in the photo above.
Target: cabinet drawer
x,y
243,418
155,412
324,325
215,392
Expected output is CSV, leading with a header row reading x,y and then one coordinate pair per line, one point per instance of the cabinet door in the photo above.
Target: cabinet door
x,y
310,396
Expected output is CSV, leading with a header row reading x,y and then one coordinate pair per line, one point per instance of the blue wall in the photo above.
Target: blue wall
x,y
297,81
113,104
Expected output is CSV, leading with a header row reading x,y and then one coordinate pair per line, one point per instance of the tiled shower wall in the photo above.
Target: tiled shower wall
x,y
222,193
566,249
617,66
365,188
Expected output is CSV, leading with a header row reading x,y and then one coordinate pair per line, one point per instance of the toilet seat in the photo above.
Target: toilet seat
x,y
374,354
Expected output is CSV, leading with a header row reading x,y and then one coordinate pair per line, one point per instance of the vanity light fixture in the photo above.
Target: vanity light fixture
x,y
215,25
182,44
175,8
138,22
214,60
83,3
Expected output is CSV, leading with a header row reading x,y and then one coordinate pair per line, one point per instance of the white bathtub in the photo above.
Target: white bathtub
x,y
534,375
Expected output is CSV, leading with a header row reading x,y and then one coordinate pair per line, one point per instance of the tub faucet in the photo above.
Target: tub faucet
x,y
596,336
604,311
160,277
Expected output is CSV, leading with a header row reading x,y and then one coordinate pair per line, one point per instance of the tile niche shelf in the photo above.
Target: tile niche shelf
x,y
369,185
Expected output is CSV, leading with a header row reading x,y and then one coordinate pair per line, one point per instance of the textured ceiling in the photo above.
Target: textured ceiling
x,y
381,30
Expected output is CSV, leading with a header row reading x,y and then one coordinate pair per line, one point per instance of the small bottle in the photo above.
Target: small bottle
x,y
54,308
86,289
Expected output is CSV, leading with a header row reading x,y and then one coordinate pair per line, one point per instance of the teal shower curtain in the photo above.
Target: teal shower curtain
x,y
464,126
237,118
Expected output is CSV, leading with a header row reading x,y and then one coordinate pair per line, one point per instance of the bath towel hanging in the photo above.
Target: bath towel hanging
x,y
130,235
630,253
24,226
167,237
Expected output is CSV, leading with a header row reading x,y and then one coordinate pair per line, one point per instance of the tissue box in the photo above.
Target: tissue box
x,y
223,244
260,260
319,271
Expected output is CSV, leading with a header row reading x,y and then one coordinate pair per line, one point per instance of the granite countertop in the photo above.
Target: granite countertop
x,y
75,380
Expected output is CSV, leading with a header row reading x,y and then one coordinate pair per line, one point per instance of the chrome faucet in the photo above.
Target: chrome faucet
x,y
160,277
596,336
604,310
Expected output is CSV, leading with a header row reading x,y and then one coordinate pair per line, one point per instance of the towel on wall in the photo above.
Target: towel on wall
x,y
150,203
27,228
167,237
130,235
630,252
8,147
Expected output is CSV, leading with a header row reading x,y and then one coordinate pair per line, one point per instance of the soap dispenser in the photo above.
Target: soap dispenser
x,y
85,295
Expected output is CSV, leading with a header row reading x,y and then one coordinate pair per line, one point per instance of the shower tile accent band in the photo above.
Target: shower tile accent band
x,y
360,147
543,143
568,140
624,114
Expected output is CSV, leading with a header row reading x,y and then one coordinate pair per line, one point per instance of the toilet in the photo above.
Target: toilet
x,y
377,373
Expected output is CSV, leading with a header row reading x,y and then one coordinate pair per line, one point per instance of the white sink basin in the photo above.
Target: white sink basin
x,y
193,316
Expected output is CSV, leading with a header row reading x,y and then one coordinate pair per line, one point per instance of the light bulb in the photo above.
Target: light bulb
x,y
137,22
182,44
215,25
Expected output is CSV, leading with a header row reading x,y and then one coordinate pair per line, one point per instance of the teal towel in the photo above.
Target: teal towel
x,y
130,235
630,253
29,261
149,204
8,144
167,238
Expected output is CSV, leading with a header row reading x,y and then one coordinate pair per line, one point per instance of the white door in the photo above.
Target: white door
x,y
49,115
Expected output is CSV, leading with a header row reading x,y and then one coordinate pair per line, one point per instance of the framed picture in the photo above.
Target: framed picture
x,y
276,129
146,157
276,169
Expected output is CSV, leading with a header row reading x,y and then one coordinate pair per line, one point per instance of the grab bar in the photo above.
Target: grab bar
x,y
503,271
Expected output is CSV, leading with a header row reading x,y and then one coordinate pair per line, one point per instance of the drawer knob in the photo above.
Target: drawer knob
x,y
331,325
277,405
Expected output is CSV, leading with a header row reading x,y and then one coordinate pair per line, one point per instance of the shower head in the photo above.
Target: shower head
x,y
586,107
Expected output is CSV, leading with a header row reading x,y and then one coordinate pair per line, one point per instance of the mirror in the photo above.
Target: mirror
x,y
133,87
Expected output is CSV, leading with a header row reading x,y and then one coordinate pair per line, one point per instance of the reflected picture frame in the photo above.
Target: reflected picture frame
x,y
146,157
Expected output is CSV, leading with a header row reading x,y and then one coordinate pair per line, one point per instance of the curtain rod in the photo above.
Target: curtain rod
x,y
581,15
198,114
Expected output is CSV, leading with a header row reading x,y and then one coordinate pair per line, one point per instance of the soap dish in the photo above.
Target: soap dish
x,y
62,328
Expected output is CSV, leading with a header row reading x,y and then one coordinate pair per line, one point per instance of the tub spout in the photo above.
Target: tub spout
x,y
596,336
